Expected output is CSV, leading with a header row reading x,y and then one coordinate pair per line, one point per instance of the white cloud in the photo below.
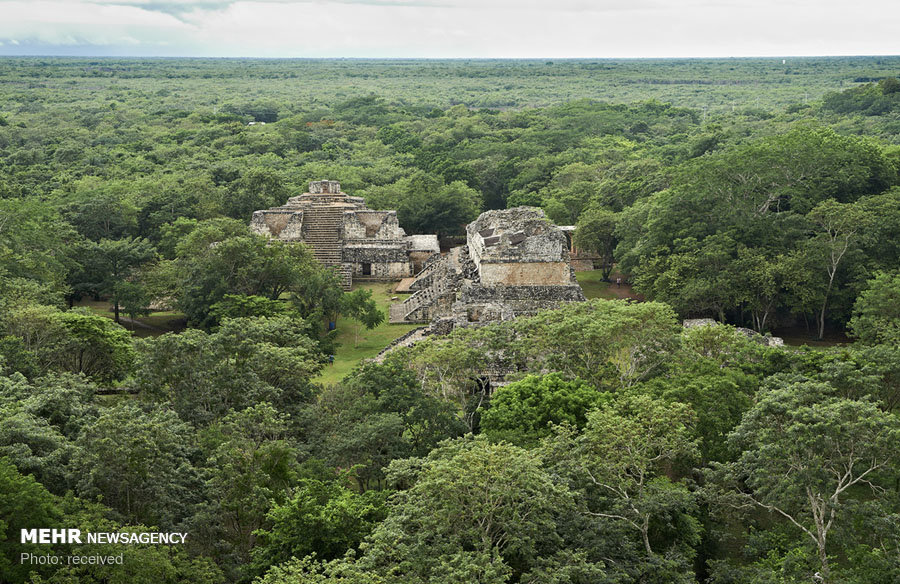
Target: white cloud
x,y
454,28
48,23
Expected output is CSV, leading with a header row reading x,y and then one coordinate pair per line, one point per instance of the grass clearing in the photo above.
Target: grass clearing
x,y
370,341
593,285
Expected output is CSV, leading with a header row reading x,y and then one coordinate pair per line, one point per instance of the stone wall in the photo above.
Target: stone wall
x,y
582,264
520,235
318,187
385,260
279,224
374,252
525,274
371,225
417,260
481,304
538,295
381,271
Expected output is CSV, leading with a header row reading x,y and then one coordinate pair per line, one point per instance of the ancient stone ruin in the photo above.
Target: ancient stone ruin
x,y
580,259
751,334
515,262
342,232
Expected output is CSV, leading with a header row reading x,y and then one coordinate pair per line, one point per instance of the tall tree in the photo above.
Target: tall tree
x,y
609,343
807,455
522,412
251,466
214,263
595,233
876,314
75,340
248,360
258,188
359,306
34,242
838,227
110,266
624,463
25,504
476,512
149,477
323,517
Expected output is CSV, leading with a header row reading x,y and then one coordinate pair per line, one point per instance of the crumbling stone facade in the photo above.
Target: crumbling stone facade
x,y
751,334
515,262
342,232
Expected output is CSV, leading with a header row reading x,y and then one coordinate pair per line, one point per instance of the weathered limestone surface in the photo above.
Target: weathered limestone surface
x,y
525,274
343,232
285,225
319,187
515,262
749,333
520,235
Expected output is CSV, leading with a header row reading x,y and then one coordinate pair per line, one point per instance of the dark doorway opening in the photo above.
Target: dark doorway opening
x,y
367,269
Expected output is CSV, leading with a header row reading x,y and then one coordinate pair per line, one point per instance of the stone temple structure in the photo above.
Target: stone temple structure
x,y
515,262
342,232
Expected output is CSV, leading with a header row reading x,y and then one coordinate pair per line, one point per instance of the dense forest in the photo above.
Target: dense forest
x,y
161,366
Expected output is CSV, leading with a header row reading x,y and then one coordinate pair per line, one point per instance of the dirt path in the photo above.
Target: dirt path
x,y
624,291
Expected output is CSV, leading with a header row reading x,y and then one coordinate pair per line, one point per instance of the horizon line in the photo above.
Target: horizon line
x,y
407,58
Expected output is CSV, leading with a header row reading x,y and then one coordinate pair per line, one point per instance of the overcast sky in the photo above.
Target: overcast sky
x,y
450,28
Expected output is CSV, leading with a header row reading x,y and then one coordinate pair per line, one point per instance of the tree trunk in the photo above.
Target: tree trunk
x,y
823,561
825,303
116,308
645,528
821,323
822,312
607,271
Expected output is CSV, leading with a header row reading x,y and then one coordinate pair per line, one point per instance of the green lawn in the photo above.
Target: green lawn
x,y
370,341
593,285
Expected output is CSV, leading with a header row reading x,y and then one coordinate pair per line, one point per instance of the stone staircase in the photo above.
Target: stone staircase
x,y
435,281
424,277
345,271
321,231
417,307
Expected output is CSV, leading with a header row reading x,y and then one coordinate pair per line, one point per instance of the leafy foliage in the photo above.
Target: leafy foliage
x,y
478,511
324,518
714,186
876,316
521,413
248,360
